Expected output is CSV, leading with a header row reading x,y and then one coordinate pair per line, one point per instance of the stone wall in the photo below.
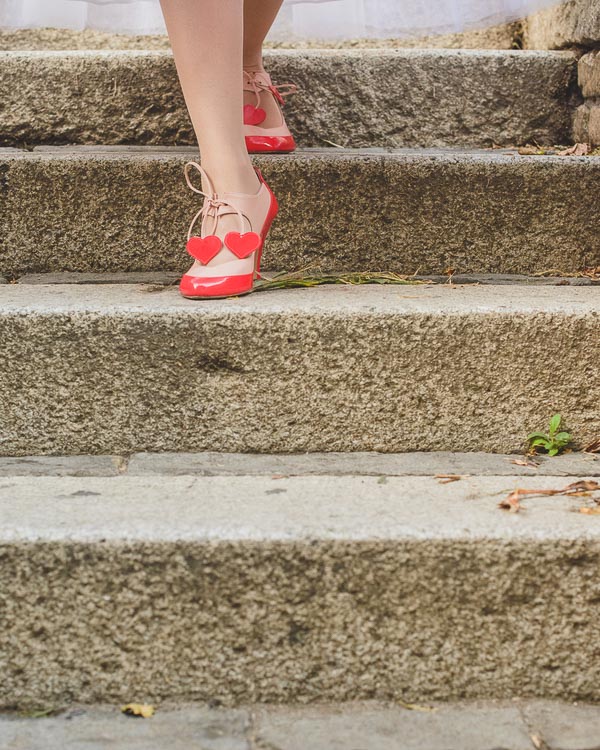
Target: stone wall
x,y
586,125
575,23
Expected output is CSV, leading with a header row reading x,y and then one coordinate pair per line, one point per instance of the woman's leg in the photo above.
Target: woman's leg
x,y
207,38
258,19
259,16
227,234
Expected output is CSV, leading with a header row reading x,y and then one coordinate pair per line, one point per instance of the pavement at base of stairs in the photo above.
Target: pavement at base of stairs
x,y
515,725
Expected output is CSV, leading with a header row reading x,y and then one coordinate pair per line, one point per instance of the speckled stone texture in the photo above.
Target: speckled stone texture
x,y
271,589
574,22
589,74
118,369
586,123
127,209
353,98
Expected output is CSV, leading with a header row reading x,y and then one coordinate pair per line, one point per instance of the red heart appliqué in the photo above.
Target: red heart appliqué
x,y
204,249
243,245
254,115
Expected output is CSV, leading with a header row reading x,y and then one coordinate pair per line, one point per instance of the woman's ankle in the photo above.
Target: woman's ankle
x,y
232,176
254,64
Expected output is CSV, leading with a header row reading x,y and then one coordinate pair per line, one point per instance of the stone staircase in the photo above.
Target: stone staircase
x,y
136,564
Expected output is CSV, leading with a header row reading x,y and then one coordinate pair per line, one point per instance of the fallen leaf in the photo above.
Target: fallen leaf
x,y
593,447
138,709
579,149
576,489
590,511
583,486
512,502
594,274
530,464
447,478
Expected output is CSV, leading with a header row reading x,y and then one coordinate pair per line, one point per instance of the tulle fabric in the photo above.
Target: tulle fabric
x,y
299,19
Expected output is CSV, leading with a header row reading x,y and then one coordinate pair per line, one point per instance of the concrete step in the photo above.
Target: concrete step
x,y
351,97
512,725
409,211
282,589
208,464
119,368
589,277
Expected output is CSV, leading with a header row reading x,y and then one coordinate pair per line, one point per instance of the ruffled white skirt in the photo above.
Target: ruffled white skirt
x,y
308,19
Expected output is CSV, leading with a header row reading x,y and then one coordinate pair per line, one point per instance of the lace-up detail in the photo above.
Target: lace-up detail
x,y
259,82
227,263
211,208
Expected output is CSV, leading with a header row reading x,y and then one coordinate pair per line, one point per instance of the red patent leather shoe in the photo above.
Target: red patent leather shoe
x,y
226,262
264,124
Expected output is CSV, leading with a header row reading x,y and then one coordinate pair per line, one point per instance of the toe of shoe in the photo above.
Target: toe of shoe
x,y
199,287
259,144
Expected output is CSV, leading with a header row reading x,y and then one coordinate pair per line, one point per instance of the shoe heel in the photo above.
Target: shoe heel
x,y
273,211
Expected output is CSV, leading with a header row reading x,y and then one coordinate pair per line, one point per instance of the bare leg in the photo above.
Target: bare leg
x,y
259,16
207,40
258,19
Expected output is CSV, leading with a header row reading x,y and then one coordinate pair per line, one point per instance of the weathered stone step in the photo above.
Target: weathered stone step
x,y
118,369
274,589
589,277
503,36
351,97
512,725
303,464
410,211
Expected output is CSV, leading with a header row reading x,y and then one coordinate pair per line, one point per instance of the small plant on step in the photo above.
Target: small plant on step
x,y
552,443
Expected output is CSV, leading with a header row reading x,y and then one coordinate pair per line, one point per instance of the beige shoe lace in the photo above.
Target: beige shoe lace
x,y
256,82
212,205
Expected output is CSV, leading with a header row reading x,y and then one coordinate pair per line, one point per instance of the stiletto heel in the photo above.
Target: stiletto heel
x,y
260,139
273,211
230,261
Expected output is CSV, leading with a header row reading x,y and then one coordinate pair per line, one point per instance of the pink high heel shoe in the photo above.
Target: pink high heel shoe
x,y
260,139
229,261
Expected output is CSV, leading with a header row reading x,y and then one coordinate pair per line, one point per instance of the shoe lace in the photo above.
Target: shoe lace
x,y
281,92
212,205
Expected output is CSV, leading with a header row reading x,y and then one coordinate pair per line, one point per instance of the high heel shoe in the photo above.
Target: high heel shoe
x,y
261,139
230,261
